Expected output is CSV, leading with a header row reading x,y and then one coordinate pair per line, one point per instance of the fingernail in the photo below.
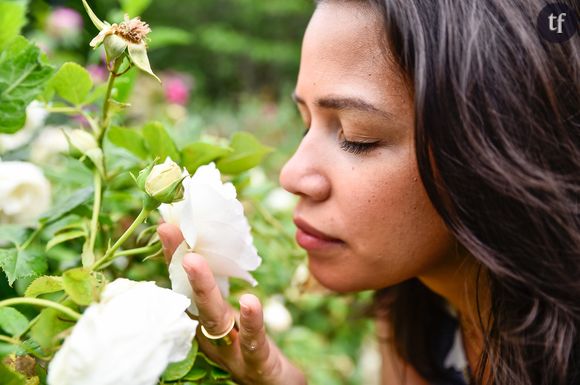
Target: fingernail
x,y
187,267
245,310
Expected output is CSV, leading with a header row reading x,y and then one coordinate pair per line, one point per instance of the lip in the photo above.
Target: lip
x,y
309,238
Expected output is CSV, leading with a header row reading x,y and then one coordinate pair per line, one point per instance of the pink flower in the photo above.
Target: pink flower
x,y
98,73
64,22
177,88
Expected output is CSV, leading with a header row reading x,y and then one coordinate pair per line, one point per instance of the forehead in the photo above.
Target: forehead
x,y
343,51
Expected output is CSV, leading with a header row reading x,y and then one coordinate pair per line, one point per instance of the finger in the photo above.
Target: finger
x,y
170,237
214,313
253,342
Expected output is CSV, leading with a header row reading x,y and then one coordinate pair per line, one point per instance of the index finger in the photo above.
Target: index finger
x,y
214,313
170,237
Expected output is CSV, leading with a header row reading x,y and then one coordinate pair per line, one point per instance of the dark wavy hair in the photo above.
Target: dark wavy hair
x,y
497,141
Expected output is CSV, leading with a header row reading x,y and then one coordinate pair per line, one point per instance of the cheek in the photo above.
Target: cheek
x,y
396,231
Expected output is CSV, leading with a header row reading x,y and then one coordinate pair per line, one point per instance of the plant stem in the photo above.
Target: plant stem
x,y
63,110
110,254
32,237
107,103
137,251
12,341
43,303
97,181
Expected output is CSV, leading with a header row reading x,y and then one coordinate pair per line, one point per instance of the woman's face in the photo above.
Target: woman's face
x,y
369,198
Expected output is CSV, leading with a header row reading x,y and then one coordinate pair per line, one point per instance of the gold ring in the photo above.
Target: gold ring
x,y
224,339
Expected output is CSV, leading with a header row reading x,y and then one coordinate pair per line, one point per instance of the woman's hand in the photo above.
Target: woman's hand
x,y
252,358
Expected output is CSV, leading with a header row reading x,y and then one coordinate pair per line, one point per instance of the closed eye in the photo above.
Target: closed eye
x,y
357,148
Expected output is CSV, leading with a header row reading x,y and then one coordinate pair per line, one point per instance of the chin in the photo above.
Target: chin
x,y
336,281
343,279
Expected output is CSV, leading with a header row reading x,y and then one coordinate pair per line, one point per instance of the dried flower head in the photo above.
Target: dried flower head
x,y
128,37
133,30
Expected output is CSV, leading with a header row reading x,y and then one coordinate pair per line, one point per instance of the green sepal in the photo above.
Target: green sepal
x,y
172,193
96,21
143,174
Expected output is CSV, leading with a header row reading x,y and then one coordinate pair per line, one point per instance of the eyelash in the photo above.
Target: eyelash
x,y
357,148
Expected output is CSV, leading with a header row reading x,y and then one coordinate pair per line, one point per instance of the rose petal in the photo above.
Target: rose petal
x,y
178,277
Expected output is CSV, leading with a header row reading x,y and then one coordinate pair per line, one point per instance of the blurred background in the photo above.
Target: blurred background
x,y
226,66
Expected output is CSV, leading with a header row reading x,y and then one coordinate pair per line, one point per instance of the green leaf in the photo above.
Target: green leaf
x,y
7,349
12,114
177,370
195,374
199,153
12,321
67,205
19,264
44,285
23,76
63,237
124,86
12,19
135,7
248,153
9,377
73,83
219,374
80,285
129,139
49,325
98,93
12,233
159,142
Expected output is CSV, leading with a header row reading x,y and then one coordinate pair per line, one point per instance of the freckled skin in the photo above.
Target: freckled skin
x,y
374,202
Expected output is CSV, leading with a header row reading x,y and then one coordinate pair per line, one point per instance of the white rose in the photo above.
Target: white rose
x,y
36,114
213,225
24,192
276,316
82,140
279,200
129,337
50,142
257,178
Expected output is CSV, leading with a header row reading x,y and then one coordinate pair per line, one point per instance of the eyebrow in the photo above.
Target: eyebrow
x,y
345,103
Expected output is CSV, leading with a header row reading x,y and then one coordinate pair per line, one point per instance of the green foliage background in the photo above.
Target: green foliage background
x,y
232,47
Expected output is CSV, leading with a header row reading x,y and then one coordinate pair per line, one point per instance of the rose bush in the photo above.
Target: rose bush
x,y
57,254
104,126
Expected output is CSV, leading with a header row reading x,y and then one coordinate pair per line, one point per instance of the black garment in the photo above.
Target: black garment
x,y
442,347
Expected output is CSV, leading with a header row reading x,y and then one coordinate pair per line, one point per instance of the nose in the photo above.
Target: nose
x,y
304,174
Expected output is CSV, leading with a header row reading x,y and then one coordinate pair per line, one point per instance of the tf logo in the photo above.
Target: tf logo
x,y
557,23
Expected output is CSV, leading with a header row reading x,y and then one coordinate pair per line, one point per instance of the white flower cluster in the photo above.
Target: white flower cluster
x,y
129,337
